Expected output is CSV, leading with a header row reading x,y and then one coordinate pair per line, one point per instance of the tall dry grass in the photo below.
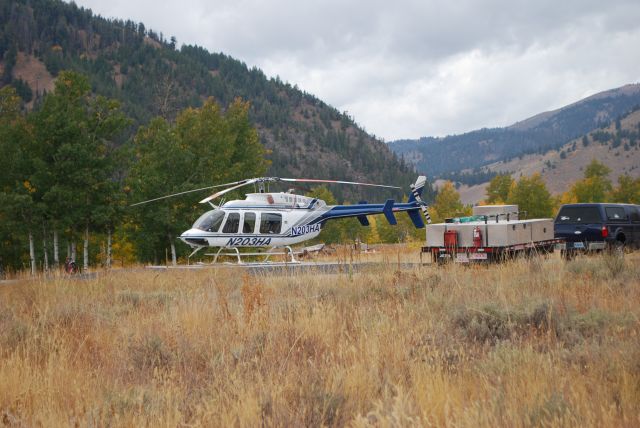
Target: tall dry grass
x,y
533,342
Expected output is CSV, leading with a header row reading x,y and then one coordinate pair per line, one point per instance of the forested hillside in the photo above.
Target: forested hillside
x,y
152,76
550,130
616,147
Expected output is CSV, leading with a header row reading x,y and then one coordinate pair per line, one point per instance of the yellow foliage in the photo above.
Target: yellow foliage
x,y
30,188
568,197
374,236
123,251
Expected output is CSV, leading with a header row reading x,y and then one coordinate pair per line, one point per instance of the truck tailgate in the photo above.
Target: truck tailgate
x,y
579,232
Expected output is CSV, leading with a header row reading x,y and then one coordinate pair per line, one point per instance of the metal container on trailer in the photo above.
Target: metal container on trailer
x,y
435,234
541,229
502,234
465,232
496,231
501,210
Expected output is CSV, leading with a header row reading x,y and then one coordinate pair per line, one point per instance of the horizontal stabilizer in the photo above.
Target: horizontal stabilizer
x,y
363,220
388,212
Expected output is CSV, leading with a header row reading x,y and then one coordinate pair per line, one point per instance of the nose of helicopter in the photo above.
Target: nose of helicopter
x,y
190,238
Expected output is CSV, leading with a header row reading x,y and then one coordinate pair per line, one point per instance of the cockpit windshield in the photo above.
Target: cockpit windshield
x,y
209,221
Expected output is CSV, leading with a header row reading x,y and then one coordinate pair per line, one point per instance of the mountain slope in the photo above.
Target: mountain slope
x,y
616,145
538,134
127,61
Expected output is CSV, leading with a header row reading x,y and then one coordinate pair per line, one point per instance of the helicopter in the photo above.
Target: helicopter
x,y
282,219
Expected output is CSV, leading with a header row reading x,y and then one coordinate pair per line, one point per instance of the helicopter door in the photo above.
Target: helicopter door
x,y
249,223
232,224
270,223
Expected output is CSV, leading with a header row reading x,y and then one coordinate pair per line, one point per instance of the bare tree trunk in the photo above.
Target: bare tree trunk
x,y
32,253
173,251
44,248
108,247
85,249
56,253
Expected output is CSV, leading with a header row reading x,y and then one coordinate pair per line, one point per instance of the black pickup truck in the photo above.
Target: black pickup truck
x,y
597,226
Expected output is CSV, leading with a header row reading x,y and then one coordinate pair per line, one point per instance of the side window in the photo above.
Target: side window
x,y
249,223
616,213
270,223
232,224
635,214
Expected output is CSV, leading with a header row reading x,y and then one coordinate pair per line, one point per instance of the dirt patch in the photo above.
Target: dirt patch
x,y
118,77
151,42
34,72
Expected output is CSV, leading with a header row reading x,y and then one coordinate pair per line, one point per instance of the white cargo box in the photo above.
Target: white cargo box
x,y
493,210
435,234
541,229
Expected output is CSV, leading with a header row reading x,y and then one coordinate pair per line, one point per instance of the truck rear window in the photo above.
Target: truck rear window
x,y
579,215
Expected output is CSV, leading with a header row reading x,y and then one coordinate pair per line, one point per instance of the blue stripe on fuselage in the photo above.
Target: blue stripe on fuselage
x,y
341,211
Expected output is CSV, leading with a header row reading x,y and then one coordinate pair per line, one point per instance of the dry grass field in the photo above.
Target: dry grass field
x,y
537,342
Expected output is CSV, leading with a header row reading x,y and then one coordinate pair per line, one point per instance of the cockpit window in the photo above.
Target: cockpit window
x,y
270,223
232,224
209,221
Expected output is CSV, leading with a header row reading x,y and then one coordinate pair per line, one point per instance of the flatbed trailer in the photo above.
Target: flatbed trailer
x,y
443,254
493,233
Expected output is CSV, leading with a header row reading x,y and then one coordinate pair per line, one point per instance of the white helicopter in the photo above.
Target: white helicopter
x,y
279,220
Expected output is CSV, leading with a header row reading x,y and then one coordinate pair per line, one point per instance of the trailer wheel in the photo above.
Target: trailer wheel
x,y
440,261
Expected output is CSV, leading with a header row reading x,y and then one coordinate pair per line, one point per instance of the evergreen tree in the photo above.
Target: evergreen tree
x,y
20,210
73,155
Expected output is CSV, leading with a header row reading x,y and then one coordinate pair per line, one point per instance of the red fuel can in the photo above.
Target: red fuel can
x,y
450,238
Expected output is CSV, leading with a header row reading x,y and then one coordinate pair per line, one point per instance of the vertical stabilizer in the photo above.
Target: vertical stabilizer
x,y
416,196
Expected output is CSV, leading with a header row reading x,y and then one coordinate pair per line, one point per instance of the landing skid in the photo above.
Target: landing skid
x,y
192,253
288,252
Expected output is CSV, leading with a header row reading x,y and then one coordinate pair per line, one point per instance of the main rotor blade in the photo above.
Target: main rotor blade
x,y
313,180
222,192
185,192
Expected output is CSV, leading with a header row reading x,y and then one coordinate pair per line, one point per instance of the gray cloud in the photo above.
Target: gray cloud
x,y
412,68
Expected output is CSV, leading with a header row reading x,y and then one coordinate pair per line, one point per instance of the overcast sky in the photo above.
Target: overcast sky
x,y
406,69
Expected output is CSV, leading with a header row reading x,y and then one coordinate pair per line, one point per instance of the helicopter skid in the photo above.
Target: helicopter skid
x,y
236,253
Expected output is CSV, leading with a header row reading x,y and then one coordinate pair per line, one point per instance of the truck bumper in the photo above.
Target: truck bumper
x,y
581,246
